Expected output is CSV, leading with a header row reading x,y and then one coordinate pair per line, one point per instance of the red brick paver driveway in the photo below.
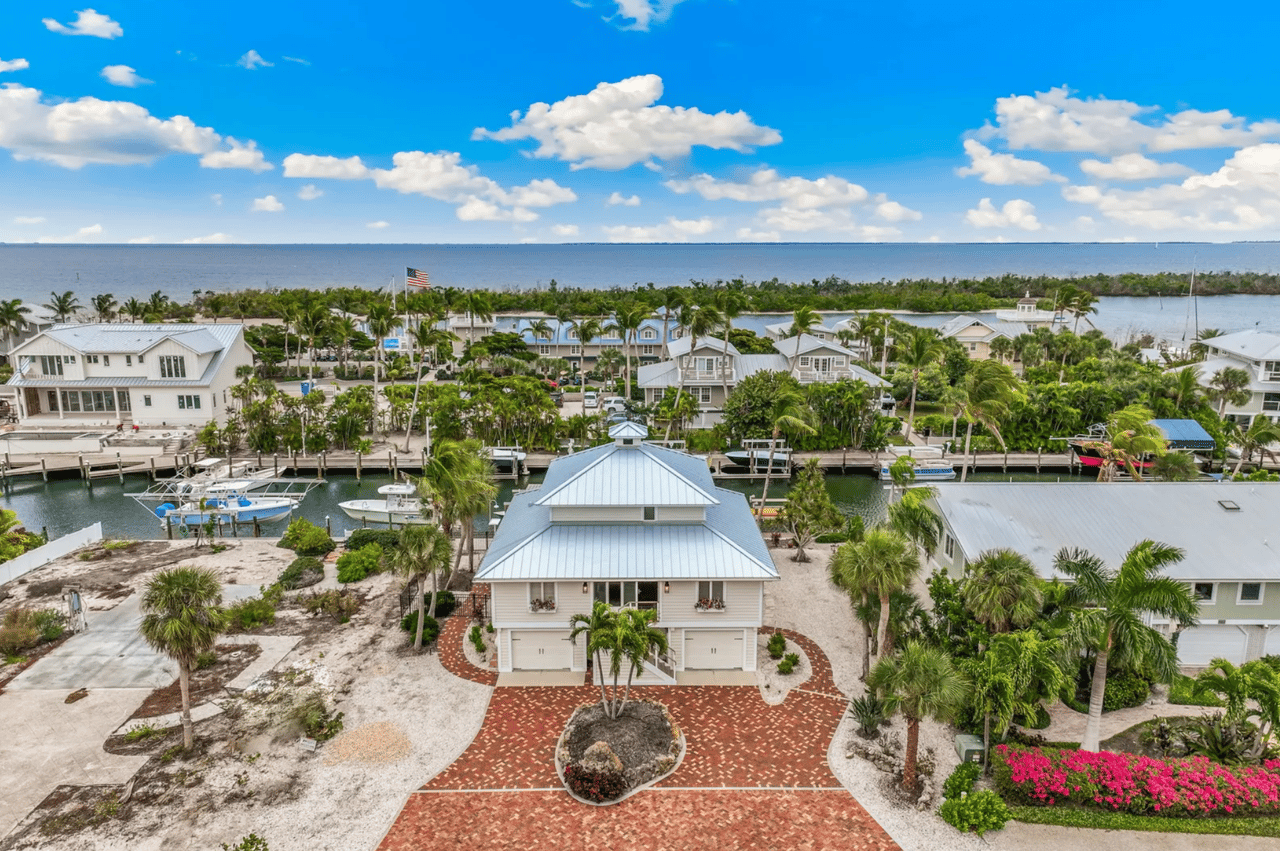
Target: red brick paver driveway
x,y
754,776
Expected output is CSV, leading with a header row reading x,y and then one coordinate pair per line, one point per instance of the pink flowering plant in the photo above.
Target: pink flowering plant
x,y
1191,787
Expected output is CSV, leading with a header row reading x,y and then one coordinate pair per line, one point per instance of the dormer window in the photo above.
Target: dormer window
x,y
648,334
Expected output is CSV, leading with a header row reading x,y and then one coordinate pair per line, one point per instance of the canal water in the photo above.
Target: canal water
x,y
66,505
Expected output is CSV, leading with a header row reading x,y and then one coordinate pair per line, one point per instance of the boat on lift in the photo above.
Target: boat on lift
x,y
928,465
757,455
507,460
400,506
228,507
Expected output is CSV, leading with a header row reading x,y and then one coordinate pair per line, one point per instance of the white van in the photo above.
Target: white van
x,y
591,399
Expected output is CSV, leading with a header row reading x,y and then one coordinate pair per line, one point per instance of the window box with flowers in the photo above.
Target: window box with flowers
x,y
710,597
542,596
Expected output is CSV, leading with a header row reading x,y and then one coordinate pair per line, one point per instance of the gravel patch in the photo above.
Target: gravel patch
x,y
807,602
379,743
775,687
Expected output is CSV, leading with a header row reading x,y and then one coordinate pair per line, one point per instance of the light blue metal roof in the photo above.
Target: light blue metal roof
x,y
1185,434
126,338
629,475
1038,519
560,333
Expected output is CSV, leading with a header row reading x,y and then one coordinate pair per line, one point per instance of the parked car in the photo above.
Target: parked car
x,y
591,399
614,404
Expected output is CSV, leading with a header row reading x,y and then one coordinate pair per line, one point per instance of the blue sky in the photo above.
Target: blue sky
x,y
635,120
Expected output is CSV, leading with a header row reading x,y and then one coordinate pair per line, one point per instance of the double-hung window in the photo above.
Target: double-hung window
x,y
542,596
710,595
173,366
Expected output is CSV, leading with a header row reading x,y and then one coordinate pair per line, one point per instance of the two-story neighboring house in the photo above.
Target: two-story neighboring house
x,y
709,369
1257,353
975,334
635,526
562,341
122,373
1232,563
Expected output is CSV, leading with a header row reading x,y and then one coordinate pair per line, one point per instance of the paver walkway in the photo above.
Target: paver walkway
x,y
753,775
1067,725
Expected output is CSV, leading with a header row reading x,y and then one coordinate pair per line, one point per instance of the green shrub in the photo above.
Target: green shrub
x,y
976,812
430,627
388,539
19,631
961,780
302,572
206,659
50,623
316,718
786,666
489,628
1182,692
477,639
832,538
306,538
355,565
446,603
777,645
141,732
341,605
870,711
252,842
252,613
1125,690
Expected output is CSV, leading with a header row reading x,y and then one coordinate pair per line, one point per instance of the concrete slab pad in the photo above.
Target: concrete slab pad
x,y
49,742
715,678
541,678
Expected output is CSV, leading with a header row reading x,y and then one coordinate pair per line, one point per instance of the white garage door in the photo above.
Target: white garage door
x,y
540,650
1202,644
713,648
1272,647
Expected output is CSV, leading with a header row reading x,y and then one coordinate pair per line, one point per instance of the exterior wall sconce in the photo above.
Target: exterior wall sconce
x,y
666,587
586,588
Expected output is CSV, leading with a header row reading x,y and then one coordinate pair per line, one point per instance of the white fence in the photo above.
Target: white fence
x,y
56,549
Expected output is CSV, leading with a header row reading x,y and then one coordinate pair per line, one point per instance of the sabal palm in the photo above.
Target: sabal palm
x,y
788,411
1260,434
1002,590
182,617
920,682
62,305
422,551
731,303
984,396
802,321
883,562
911,516
917,349
1230,384
627,319
1108,608
701,320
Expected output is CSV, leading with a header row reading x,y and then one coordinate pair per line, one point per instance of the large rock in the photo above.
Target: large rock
x,y
600,757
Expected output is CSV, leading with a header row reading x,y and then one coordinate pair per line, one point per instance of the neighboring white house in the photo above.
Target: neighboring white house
x,y
707,369
112,373
1256,352
635,526
1231,562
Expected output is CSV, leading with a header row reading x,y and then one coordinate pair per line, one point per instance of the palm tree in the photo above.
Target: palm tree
x,y
1260,434
1198,348
672,300
135,309
917,349
422,551
13,318
1186,388
883,562
984,396
104,306
1002,590
344,330
158,304
701,320
1230,384
586,329
458,482
627,320
477,303
731,303
1175,467
182,617
380,322
788,411
803,320
1082,303
1109,608
1002,348
1130,438
624,636
920,682
912,517
63,306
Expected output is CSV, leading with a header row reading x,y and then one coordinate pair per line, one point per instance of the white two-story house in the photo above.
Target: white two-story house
x,y
1257,353
113,373
635,526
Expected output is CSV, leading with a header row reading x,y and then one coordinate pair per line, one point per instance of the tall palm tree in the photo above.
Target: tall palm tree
x,y
13,318
313,321
586,329
1002,590
1198,349
135,309
478,304
912,517
984,396
422,551
920,682
802,321
62,305
344,330
1082,303
672,300
182,617
104,306
883,562
540,329
458,482
701,320
627,320
1230,384
380,322
625,636
1130,438
1260,434
788,411
731,303
1186,388
1108,608
158,304
917,349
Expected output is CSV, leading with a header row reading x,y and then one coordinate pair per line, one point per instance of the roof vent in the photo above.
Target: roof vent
x,y
1228,505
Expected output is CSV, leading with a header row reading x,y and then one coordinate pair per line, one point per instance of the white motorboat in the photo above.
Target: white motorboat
x,y
928,465
231,506
399,506
507,460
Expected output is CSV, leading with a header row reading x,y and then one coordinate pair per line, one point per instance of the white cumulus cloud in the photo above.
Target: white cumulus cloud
x,y
618,125
379,225
216,198
123,75
252,60
1132,167
749,235
641,13
269,204
310,192
240,155
1014,214
87,22
672,230
566,230
78,236
13,65
28,220
211,239
295,59
618,198
309,165
75,132
892,211
1003,169
142,240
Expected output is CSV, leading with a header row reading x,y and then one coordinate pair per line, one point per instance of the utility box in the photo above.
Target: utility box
x,y
969,748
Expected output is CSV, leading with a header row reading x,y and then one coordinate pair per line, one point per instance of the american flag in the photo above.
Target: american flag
x,y
417,278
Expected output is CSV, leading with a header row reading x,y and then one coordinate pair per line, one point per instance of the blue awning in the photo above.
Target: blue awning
x,y
1185,434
